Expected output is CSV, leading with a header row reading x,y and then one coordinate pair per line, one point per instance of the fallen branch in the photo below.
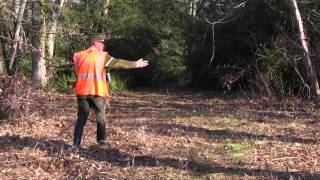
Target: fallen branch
x,y
283,158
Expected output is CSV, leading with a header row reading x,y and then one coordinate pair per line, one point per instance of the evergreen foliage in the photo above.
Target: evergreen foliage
x,y
179,44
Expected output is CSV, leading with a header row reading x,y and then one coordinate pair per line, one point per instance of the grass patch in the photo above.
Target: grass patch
x,y
224,176
230,121
237,152
218,101
296,126
317,136
257,131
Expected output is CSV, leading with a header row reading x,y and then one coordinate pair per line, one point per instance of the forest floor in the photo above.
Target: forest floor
x,y
160,135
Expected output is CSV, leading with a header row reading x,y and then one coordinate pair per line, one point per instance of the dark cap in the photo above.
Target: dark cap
x,y
96,37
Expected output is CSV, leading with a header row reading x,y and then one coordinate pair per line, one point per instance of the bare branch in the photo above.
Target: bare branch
x,y
213,36
24,44
227,18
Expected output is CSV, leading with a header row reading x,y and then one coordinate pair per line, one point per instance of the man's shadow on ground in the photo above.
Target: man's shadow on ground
x,y
54,148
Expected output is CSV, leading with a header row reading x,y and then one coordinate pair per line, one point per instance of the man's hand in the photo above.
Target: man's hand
x,y
142,63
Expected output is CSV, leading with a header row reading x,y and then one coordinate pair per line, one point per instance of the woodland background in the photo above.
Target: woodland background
x,y
251,46
230,93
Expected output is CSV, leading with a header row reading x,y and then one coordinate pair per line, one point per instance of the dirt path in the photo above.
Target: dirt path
x,y
163,135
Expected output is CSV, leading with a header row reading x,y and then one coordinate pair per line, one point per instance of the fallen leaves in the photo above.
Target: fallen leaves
x,y
156,135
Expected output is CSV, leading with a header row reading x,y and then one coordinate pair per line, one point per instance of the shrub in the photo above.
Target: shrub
x,y
117,83
276,72
61,83
24,66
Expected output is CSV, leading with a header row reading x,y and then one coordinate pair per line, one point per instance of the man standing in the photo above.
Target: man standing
x,y
92,87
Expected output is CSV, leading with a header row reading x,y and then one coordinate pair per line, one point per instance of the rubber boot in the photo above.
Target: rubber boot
x,y
78,134
101,132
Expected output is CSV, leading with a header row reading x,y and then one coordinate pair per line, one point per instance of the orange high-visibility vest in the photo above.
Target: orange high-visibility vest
x,y
91,72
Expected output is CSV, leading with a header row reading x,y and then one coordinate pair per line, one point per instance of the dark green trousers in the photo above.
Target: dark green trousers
x,y
85,103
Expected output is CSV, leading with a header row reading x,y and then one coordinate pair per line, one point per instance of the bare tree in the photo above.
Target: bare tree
x,y
17,32
313,77
52,26
105,8
223,16
39,42
2,61
16,6
192,7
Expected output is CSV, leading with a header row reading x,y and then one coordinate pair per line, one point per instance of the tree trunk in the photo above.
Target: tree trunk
x,y
3,69
16,6
17,33
192,8
312,75
52,26
105,7
38,61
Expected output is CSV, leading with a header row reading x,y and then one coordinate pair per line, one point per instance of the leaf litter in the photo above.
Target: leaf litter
x,y
160,135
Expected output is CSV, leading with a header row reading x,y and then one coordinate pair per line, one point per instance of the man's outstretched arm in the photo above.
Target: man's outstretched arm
x,y
125,64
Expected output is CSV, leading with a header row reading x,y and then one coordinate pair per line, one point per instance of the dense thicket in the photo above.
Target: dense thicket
x,y
224,45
